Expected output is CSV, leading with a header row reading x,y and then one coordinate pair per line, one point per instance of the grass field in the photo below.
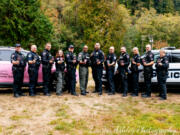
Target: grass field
x,y
90,115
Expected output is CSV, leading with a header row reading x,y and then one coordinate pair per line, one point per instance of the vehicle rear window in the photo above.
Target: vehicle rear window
x,y
175,57
6,54
157,55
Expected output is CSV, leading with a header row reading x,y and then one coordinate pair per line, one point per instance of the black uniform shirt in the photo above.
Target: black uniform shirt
x,y
149,57
18,56
124,58
97,55
136,58
69,60
46,57
165,64
60,67
33,56
111,57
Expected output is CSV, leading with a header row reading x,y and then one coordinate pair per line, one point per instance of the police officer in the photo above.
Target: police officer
x,y
110,65
135,62
47,62
19,63
148,62
84,62
60,66
123,64
97,59
71,61
33,68
162,66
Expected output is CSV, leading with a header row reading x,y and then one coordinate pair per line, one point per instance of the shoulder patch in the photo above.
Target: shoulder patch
x,y
30,55
44,53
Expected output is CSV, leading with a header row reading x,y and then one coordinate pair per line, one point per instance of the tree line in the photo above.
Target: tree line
x,y
111,22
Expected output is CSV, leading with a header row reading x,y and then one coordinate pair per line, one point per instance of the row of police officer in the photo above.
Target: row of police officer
x,y
96,60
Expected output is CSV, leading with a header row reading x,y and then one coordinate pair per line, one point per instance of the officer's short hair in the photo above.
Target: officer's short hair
x,y
48,43
112,47
148,45
33,45
85,46
135,48
123,47
97,44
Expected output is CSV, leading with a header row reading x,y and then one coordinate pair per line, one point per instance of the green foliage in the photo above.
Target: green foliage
x,y
162,6
112,23
88,22
23,21
164,28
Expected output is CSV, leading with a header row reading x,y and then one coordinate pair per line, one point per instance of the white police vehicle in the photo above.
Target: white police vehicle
x,y
174,67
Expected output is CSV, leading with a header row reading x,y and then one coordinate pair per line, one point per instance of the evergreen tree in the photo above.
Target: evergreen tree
x,y
23,21
164,6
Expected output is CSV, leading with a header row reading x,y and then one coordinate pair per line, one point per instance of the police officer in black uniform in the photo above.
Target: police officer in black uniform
x,y
110,66
135,62
162,66
148,62
97,59
19,63
47,62
71,61
122,70
33,68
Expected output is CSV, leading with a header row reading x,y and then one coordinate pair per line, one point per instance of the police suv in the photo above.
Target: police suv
x,y
174,67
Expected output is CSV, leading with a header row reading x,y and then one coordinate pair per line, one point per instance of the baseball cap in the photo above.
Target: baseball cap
x,y
71,46
17,45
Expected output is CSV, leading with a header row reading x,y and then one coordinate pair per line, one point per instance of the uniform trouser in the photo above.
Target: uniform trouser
x,y
97,76
72,80
46,79
110,77
60,80
162,85
18,75
135,80
147,80
124,82
83,78
33,78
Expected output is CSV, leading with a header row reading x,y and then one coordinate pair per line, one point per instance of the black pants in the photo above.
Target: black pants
x,y
46,79
162,84
147,81
18,76
33,78
97,76
124,82
110,78
135,81
72,80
